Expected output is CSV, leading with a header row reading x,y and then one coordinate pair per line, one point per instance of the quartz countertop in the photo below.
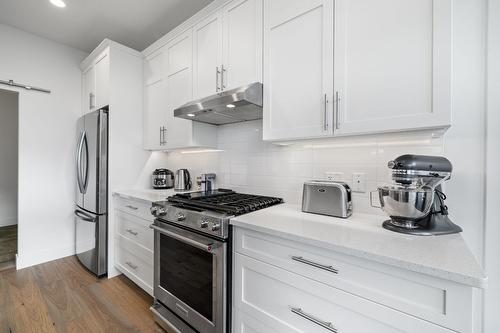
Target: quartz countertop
x,y
147,195
361,235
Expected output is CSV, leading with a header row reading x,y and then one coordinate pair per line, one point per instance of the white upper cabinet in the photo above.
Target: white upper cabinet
x,y
298,69
155,101
207,56
392,65
242,43
95,84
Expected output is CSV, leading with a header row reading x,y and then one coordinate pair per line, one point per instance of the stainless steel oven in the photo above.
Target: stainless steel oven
x,y
190,280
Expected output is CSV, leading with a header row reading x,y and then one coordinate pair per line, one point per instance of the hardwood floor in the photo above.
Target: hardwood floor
x,y
8,243
61,296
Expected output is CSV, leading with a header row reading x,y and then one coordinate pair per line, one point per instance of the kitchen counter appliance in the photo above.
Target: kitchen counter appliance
x,y
182,180
327,198
162,179
192,263
91,209
415,200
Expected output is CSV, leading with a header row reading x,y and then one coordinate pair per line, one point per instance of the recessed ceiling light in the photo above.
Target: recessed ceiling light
x,y
231,106
58,3
190,115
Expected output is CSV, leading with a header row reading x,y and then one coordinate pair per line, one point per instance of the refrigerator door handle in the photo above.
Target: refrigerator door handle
x,y
86,179
79,163
85,216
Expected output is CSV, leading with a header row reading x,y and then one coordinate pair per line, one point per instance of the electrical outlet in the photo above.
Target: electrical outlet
x,y
334,176
358,182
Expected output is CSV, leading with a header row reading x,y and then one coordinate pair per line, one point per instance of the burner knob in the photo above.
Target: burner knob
x,y
204,224
215,227
181,216
158,211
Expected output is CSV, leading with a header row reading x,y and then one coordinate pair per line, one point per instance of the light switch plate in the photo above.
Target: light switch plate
x,y
334,176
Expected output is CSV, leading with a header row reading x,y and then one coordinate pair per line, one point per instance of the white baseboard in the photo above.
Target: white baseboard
x,y
4,222
39,257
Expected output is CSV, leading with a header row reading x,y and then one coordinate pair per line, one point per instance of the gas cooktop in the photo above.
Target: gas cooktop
x,y
209,212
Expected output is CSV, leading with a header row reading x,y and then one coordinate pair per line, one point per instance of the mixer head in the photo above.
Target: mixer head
x,y
420,170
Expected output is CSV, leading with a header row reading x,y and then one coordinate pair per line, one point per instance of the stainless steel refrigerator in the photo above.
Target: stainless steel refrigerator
x,y
91,212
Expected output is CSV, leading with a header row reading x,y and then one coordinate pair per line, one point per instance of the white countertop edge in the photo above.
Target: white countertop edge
x,y
473,281
144,195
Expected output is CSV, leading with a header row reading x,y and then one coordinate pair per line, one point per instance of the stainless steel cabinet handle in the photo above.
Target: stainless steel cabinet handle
x,y
217,72
132,207
131,265
325,114
91,102
315,264
325,324
222,86
337,101
163,130
132,232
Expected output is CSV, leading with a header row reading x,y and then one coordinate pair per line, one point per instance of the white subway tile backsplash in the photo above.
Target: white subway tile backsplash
x,y
250,165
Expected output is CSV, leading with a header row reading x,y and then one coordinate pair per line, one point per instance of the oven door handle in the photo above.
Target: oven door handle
x,y
207,247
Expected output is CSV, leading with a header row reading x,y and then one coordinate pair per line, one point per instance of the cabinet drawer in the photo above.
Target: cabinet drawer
x,y
442,302
288,302
243,323
137,208
135,228
135,262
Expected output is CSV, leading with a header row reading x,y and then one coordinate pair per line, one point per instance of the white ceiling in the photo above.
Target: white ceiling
x,y
83,24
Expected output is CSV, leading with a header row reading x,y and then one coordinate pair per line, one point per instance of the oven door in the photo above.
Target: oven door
x,y
190,276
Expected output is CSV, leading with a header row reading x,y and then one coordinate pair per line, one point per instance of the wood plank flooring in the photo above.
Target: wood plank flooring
x,y
61,296
8,243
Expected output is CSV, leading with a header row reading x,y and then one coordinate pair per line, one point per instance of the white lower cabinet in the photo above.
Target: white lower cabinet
x,y
285,286
134,242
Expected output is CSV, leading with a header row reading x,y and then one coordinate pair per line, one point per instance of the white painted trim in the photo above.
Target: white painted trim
x,y
39,257
186,25
102,46
8,221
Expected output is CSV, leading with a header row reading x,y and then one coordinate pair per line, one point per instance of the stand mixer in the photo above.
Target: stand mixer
x,y
415,201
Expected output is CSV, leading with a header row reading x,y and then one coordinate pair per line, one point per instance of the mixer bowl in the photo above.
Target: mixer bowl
x,y
406,203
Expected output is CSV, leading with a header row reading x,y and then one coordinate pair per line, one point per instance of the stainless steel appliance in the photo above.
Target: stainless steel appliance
x,y
182,180
207,181
192,263
327,198
225,107
91,210
162,179
415,200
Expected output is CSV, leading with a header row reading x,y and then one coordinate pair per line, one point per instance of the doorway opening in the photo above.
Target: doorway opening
x,y
9,125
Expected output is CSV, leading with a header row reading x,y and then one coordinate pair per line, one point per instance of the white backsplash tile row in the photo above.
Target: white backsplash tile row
x,y
248,164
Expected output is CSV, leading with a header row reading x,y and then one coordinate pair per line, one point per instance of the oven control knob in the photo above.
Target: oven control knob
x,y
215,227
158,211
204,224
181,216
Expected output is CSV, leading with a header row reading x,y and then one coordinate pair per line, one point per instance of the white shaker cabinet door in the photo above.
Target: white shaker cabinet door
x,y
102,81
155,101
179,90
88,90
207,56
242,43
392,65
298,69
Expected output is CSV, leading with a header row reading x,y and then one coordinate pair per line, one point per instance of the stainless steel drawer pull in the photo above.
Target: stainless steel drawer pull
x,y
315,264
130,231
132,207
325,324
131,265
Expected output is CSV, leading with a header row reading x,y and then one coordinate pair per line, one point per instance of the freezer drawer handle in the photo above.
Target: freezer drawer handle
x,y
325,324
85,216
315,264
132,207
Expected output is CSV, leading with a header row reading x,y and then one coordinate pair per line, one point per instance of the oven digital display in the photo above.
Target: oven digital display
x,y
187,273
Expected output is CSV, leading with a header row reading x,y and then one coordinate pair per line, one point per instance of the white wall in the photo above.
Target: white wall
x,y
46,142
8,157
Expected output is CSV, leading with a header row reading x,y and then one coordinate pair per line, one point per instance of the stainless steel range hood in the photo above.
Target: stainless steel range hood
x,y
232,106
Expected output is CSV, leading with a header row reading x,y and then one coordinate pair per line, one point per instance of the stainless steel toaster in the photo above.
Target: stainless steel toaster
x,y
327,198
